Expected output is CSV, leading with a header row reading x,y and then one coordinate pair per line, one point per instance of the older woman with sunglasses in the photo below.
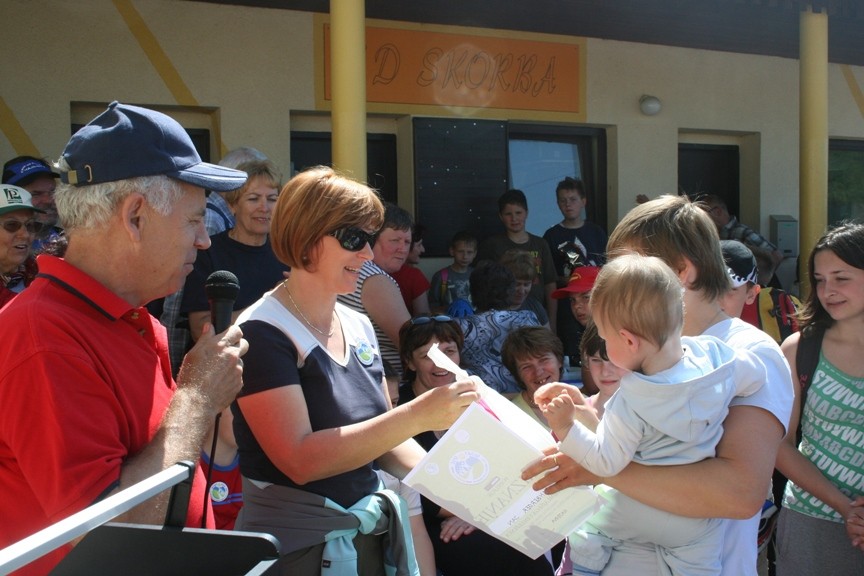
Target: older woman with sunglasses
x,y
314,415
460,550
18,229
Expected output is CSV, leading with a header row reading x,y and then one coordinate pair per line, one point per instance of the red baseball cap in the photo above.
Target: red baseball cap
x,y
581,280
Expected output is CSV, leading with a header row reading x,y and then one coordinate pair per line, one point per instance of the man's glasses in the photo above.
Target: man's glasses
x,y
353,239
13,226
421,320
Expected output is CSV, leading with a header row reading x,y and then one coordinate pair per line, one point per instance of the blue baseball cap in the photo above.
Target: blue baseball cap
x,y
22,170
129,141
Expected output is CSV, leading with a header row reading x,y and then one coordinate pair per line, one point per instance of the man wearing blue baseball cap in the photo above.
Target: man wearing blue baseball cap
x,y
89,403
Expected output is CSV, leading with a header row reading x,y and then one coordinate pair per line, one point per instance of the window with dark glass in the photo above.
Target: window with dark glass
x,y
462,166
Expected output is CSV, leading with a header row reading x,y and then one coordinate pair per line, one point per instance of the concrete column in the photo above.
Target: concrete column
x,y
813,147
348,85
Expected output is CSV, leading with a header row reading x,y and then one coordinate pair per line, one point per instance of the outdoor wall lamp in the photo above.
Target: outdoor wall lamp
x,y
650,105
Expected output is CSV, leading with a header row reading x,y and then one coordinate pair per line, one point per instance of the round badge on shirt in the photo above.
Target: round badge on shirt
x,y
218,491
364,353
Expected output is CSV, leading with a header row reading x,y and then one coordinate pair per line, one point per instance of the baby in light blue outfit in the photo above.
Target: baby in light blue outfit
x,y
669,410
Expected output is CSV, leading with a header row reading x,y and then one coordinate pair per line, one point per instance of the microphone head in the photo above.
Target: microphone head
x,y
222,285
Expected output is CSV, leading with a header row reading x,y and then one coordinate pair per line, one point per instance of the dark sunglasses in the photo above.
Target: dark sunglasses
x,y
354,239
13,226
421,320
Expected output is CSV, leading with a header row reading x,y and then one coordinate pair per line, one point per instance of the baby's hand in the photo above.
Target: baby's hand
x,y
559,413
548,392
587,416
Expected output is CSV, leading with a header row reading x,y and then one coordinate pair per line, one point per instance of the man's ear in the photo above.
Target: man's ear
x,y
687,272
133,214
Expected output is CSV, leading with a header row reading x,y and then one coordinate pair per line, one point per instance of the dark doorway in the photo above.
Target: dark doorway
x,y
709,169
310,149
845,174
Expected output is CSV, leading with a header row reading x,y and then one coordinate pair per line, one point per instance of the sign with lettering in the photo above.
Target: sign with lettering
x,y
421,67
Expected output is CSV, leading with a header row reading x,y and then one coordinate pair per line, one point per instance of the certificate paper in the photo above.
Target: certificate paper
x,y
474,471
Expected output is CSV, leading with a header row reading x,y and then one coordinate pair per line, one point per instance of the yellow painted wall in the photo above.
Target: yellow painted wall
x,y
708,97
252,65
251,69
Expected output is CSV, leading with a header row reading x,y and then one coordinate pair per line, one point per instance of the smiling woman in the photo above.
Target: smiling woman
x,y
821,524
243,250
18,229
535,356
313,420
460,550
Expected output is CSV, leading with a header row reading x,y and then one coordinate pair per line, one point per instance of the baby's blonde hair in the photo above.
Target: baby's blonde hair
x,y
640,294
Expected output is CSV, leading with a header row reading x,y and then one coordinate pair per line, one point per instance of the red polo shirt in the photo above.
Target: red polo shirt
x,y
84,383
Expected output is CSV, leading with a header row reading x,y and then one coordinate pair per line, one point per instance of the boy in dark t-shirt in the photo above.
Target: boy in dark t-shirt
x,y
573,242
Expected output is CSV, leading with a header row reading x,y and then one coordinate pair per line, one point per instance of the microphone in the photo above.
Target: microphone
x,y
222,288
